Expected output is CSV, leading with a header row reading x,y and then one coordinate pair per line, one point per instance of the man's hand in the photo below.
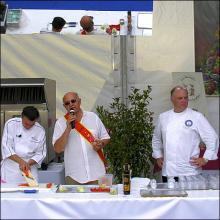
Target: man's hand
x,y
97,144
24,166
160,162
199,162
31,162
69,120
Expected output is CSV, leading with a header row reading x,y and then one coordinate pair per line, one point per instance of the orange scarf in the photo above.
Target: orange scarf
x,y
81,129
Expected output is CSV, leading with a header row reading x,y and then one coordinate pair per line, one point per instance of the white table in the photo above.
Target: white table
x,y
201,204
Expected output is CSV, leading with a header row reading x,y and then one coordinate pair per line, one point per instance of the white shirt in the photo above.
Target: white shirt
x,y
82,163
26,143
177,137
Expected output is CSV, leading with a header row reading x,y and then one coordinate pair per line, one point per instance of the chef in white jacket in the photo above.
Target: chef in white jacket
x,y
177,136
23,146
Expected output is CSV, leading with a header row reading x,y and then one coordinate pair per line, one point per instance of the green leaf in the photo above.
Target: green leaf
x,y
131,129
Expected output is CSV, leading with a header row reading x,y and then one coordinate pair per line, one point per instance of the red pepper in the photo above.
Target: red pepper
x,y
49,185
99,189
26,173
23,184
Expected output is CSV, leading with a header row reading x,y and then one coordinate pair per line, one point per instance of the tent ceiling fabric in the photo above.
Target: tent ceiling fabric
x,y
70,60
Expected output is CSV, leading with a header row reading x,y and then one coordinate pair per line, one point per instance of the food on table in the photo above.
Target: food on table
x,y
99,189
23,184
62,188
103,185
49,185
29,178
80,189
113,191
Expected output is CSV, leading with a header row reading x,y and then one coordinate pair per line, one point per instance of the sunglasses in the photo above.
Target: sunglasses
x,y
71,101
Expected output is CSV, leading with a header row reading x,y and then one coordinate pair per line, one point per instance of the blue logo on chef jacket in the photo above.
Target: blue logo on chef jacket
x,y
188,123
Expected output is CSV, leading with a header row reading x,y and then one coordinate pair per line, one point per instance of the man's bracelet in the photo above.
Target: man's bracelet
x,y
206,160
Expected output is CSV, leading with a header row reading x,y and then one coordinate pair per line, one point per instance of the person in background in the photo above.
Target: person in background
x,y
23,146
177,137
57,26
87,25
81,135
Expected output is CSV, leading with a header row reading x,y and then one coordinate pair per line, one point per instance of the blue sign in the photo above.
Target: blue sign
x,y
98,5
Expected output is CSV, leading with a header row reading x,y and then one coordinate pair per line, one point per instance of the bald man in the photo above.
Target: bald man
x,y
87,25
177,136
81,135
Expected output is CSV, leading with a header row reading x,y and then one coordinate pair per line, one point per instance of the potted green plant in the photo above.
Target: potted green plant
x,y
131,129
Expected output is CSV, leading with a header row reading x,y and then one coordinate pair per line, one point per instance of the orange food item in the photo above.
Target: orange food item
x,y
99,189
26,172
49,185
23,184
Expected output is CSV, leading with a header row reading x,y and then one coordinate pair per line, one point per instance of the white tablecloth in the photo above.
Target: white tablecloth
x,y
202,204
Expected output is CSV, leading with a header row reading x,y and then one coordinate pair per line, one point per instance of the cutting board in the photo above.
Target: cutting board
x,y
42,187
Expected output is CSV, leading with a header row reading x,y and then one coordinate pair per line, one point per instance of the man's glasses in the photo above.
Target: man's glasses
x,y
72,101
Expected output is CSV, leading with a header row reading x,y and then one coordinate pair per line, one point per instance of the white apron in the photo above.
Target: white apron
x,y
11,173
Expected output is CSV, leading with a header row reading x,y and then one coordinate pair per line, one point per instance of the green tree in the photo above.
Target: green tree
x,y
131,129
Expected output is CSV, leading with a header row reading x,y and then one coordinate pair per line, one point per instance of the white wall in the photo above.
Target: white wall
x,y
170,49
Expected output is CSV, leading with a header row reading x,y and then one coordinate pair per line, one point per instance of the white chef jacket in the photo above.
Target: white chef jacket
x,y
26,143
82,162
177,137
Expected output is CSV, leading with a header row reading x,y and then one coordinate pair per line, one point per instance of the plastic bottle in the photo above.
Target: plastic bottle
x,y
171,182
126,179
123,29
153,184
